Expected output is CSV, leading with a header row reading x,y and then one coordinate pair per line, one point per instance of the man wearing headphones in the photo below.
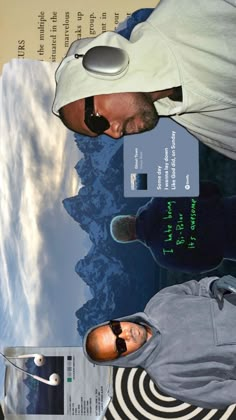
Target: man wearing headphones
x,y
180,62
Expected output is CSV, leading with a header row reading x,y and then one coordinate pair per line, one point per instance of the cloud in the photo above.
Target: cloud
x,y
37,160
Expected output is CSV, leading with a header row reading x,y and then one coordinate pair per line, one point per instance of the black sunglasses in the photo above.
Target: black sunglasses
x,y
120,342
95,122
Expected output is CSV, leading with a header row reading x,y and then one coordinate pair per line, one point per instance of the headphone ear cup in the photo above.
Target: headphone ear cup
x,y
106,61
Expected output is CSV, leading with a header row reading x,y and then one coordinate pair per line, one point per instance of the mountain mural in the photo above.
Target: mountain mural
x,y
122,278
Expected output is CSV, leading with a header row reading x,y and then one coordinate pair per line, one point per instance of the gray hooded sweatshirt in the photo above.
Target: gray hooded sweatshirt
x,y
191,355
184,43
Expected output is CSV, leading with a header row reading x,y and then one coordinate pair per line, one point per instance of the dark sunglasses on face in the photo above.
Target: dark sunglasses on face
x,y
120,342
95,122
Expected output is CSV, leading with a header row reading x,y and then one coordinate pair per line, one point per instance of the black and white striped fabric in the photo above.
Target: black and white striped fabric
x,y
137,397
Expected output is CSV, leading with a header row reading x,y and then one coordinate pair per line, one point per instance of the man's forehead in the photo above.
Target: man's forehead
x,y
106,338
103,328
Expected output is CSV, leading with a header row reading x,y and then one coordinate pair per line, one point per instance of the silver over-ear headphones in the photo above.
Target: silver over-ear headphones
x,y
105,60
39,360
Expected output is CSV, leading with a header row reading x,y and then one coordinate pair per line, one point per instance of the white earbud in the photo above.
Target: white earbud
x,y
54,379
39,359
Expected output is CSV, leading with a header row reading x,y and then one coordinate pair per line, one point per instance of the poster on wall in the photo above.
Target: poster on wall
x,y
56,382
62,269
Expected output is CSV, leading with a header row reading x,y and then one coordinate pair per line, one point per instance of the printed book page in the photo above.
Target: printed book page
x,y
44,30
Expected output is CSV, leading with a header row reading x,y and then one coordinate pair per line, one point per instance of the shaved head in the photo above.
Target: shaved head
x,y
95,346
101,341
123,228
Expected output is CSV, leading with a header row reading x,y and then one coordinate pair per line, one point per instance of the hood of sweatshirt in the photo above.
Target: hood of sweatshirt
x,y
138,357
160,69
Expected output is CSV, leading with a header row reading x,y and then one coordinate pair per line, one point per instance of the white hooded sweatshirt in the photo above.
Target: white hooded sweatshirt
x,y
184,43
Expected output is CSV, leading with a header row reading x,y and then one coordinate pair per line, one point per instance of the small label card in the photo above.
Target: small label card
x,y
163,162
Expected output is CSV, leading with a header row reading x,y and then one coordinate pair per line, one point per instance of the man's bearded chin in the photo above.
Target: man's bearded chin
x,y
150,119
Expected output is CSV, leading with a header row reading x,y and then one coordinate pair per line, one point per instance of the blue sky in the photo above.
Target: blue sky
x,y
39,242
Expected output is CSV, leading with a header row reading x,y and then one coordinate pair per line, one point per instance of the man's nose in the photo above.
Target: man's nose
x,y
115,130
126,334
